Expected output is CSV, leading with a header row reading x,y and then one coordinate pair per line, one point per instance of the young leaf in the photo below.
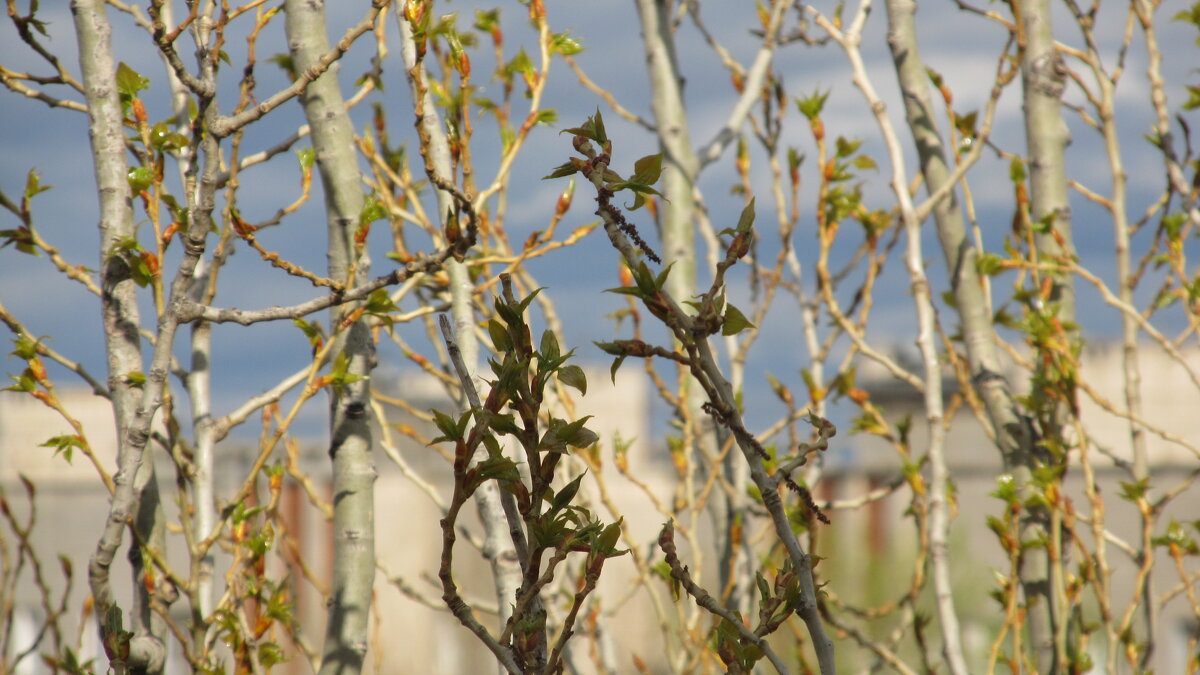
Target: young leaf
x,y
499,468
561,170
564,496
501,340
447,425
746,220
341,375
140,178
573,376
549,347
734,322
811,106
64,444
33,184
647,169
129,81
563,43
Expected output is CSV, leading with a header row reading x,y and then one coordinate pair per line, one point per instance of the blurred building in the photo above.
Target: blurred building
x,y
413,633
1171,404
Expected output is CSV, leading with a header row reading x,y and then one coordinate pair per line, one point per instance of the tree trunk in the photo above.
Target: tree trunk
x,y
346,634
1043,77
121,321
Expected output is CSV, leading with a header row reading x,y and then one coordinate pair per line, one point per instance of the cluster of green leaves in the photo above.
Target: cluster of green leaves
x,y
23,238
777,602
26,348
1191,15
553,523
840,197
253,535
151,144
646,171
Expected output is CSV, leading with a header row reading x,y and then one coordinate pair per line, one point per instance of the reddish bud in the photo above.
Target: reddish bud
x,y
152,263
818,128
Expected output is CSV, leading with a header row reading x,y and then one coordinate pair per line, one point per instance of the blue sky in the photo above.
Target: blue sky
x,y
961,47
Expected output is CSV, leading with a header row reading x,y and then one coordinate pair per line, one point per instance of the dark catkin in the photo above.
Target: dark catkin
x,y
604,198
738,430
807,498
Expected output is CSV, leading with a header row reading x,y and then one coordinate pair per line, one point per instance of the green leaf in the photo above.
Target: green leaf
x,y
503,424
561,434
306,157
285,63
967,124
448,426
24,383
380,305
563,43
635,186
25,347
606,541
1193,101
312,331
140,178
647,169
865,162
561,170
499,468
270,654
341,374
165,140
734,321
1134,490
563,497
845,148
934,76
811,106
795,159
593,129
487,20
64,444
1006,488
520,64
23,238
33,184
1016,170
988,264
129,81
626,290
501,340
614,348
601,134
549,347
573,376
372,211
616,365
524,304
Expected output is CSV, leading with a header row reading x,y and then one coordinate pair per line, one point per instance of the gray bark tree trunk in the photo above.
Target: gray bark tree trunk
x,y
135,500
350,445
1043,78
